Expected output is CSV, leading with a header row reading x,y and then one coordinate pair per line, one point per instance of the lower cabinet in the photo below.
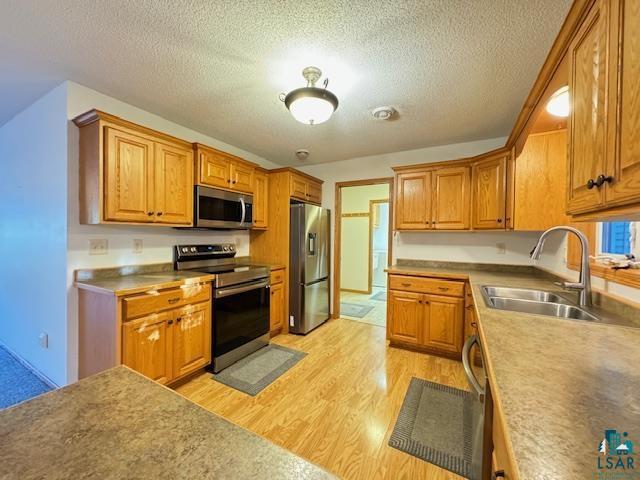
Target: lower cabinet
x,y
429,321
169,345
277,313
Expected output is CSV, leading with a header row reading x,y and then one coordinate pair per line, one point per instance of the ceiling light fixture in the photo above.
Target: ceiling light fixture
x,y
311,105
383,113
558,104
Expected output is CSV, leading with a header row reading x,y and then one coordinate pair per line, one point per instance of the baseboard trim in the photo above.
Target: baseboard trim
x,y
30,367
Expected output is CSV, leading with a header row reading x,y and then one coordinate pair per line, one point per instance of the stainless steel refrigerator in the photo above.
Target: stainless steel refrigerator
x,y
309,267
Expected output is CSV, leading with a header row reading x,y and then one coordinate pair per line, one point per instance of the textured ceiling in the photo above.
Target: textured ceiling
x,y
456,70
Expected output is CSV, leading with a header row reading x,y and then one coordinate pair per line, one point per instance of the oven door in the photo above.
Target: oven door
x,y
240,315
221,209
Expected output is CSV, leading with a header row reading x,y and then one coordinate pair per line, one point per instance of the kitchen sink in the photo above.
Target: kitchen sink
x,y
525,294
537,302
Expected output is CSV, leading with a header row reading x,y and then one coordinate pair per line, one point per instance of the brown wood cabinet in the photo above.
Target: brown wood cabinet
x,y
413,201
215,168
277,314
427,321
131,174
165,334
540,183
489,187
604,150
305,188
260,200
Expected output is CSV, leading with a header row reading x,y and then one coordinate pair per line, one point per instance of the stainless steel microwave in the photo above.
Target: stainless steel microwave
x,y
221,209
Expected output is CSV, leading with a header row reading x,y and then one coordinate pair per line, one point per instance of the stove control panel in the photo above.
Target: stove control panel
x,y
208,251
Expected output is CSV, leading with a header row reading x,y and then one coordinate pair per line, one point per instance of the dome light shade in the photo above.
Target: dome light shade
x,y
559,104
311,105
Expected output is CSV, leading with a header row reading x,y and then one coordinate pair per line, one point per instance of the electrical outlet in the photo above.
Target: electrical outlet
x,y
98,246
43,339
137,245
501,248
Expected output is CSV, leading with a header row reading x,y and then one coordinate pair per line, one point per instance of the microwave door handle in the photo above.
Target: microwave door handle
x,y
244,210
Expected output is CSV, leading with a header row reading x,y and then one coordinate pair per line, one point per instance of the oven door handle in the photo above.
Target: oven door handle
x,y
466,363
225,292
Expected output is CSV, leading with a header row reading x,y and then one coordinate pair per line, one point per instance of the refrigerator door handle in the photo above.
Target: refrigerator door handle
x,y
312,244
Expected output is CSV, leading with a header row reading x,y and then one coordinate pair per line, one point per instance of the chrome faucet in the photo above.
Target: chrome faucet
x,y
584,284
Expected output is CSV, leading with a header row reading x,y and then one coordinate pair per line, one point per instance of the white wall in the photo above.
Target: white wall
x,y
33,234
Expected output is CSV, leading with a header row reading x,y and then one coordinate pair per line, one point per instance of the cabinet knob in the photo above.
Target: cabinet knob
x,y
228,180
602,179
150,214
499,220
498,474
159,213
474,324
179,319
169,322
591,183
234,182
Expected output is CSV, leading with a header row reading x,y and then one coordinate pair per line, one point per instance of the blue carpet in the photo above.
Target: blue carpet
x,y
17,383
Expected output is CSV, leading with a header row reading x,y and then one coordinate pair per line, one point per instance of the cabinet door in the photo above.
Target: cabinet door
x,y
314,192
413,201
146,346
241,176
587,120
128,183
191,339
405,316
298,187
444,323
451,204
489,186
260,200
276,313
173,184
624,113
214,169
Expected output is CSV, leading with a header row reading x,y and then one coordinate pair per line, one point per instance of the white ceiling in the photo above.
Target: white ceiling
x,y
456,70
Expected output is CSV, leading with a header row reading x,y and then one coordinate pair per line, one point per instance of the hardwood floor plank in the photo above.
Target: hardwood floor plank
x,y
337,407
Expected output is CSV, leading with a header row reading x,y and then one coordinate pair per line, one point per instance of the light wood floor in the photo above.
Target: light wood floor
x,y
337,407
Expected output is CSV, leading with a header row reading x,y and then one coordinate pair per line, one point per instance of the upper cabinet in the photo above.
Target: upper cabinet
x,y
489,189
457,195
604,144
260,199
222,170
131,174
305,188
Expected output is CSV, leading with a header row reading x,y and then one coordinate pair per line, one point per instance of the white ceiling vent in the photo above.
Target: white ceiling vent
x,y
383,113
302,154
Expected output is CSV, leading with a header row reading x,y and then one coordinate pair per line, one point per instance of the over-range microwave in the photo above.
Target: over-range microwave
x,y
221,209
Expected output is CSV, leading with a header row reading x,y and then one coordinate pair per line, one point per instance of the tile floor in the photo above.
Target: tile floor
x,y
377,316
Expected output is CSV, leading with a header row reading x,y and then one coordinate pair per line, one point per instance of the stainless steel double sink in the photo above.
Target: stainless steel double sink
x,y
537,302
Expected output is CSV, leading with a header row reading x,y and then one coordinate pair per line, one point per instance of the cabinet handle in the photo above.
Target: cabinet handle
x,y
498,474
169,322
150,214
602,179
420,301
499,220
234,182
443,289
469,307
159,214
179,319
173,300
405,284
473,324
427,302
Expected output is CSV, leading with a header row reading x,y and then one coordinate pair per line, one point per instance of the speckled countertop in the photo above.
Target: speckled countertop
x,y
120,425
559,383
137,283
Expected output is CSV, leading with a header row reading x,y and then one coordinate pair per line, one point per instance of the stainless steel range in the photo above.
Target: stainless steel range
x,y
240,317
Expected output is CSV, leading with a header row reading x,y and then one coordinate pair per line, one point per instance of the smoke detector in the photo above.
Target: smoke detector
x,y
302,154
383,113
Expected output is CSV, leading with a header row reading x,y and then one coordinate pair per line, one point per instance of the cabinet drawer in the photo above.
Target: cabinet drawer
x,y
426,285
147,303
277,276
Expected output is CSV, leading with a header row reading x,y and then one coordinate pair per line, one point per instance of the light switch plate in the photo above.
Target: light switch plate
x,y
98,246
43,339
137,245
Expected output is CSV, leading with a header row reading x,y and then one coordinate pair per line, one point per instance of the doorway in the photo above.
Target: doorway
x,y
362,249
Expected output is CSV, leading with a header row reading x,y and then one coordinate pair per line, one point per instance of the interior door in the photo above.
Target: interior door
x,y
451,195
413,201
129,177
315,243
587,121
173,184
489,188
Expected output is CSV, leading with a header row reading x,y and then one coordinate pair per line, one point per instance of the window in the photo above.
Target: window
x,y
619,238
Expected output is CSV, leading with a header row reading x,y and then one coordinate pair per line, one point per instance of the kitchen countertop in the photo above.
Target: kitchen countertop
x,y
120,425
559,383
138,283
